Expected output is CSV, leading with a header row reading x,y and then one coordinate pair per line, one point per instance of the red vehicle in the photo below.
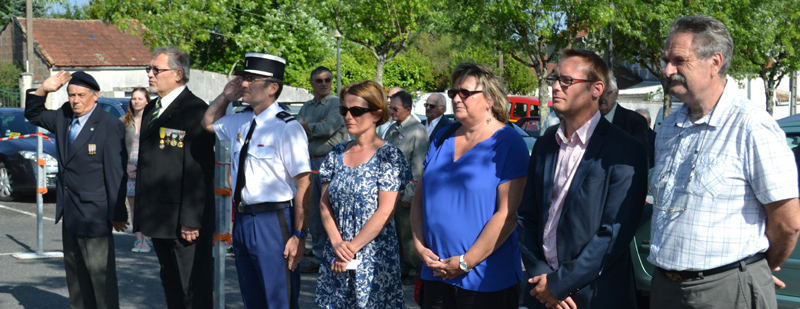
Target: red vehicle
x,y
519,107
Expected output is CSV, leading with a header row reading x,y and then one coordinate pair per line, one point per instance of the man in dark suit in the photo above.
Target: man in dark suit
x,y
434,111
583,199
90,192
625,119
174,202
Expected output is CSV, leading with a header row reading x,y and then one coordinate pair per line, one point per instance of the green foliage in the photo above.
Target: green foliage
x,y
9,76
218,33
73,12
16,8
384,28
518,78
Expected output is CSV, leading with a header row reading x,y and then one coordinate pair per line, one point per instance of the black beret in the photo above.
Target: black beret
x,y
264,65
80,78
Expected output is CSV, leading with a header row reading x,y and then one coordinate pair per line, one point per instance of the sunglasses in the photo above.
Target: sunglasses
x,y
355,111
251,78
430,106
320,80
566,80
462,93
157,70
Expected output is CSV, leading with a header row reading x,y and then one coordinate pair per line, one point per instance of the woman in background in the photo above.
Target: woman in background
x,y
361,181
133,123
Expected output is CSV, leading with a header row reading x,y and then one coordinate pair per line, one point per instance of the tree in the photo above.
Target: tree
x,y
532,31
766,42
385,28
640,28
218,33
16,8
9,75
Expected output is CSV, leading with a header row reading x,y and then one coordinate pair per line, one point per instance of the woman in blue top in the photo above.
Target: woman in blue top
x,y
464,216
361,181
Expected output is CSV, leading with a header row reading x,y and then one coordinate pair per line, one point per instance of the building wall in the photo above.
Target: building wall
x,y
13,47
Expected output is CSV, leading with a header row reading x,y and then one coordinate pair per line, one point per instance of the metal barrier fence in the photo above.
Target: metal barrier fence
x,y
9,98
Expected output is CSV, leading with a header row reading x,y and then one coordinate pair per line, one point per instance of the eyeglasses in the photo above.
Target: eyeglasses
x,y
355,111
251,78
430,106
156,71
320,80
462,93
566,80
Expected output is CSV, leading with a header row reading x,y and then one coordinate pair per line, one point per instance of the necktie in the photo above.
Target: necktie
x,y
237,193
154,115
73,132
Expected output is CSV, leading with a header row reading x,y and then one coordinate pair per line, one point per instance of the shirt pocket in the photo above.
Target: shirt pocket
x,y
708,176
262,154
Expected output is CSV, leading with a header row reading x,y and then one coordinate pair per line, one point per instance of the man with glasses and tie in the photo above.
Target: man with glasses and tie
x,y
91,185
724,184
325,128
269,160
434,111
174,202
583,199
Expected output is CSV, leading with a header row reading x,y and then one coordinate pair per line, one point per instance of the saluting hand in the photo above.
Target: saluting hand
x,y
55,82
233,89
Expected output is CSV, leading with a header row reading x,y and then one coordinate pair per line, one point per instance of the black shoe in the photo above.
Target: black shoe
x,y
310,268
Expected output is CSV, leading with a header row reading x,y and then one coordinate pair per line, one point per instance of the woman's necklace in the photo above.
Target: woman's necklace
x,y
362,148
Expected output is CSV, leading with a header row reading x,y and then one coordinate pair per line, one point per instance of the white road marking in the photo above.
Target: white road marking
x,y
48,218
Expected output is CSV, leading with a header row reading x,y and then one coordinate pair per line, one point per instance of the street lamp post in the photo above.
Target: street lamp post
x,y
338,37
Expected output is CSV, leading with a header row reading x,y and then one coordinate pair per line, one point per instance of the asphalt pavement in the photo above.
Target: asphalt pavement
x,y
42,283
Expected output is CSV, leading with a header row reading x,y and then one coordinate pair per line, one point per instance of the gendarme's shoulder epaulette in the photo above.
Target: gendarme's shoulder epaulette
x,y
286,117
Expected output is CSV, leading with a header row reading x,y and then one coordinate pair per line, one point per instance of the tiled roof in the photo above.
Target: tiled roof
x,y
86,43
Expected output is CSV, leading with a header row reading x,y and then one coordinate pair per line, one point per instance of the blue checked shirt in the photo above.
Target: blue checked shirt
x,y
711,181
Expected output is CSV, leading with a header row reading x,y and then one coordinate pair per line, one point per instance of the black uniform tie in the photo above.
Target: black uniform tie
x,y
237,193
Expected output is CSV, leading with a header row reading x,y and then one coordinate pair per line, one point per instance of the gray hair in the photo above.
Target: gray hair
x,y
710,36
439,99
178,60
612,82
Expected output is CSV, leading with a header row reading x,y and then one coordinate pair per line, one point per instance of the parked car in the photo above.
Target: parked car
x,y
530,124
18,156
519,107
788,297
114,106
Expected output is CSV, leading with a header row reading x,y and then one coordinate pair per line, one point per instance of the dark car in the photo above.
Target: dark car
x,y
18,156
113,106
530,124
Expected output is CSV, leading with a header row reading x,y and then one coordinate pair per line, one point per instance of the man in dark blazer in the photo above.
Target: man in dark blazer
x,y
90,190
583,199
627,120
174,202
434,111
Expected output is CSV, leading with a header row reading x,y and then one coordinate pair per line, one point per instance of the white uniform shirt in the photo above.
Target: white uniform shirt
x,y
278,151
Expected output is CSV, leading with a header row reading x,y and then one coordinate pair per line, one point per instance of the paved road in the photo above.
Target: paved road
x,y
42,283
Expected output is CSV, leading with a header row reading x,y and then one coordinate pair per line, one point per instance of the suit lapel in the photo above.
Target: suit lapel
x,y
596,143
549,171
79,144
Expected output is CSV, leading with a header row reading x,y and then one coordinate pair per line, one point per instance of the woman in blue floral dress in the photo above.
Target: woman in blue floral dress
x,y
362,180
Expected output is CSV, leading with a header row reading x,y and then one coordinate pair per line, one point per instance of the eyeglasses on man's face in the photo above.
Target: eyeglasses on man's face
x,y
566,81
252,78
156,70
462,93
430,106
355,111
323,80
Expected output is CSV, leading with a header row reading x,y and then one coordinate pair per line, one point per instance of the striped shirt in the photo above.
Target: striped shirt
x,y
711,181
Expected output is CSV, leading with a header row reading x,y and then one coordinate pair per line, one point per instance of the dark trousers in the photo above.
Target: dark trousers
x,y
264,277
748,287
91,270
409,260
440,295
186,271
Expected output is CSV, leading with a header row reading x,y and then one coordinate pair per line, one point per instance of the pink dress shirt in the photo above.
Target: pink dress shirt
x,y
569,157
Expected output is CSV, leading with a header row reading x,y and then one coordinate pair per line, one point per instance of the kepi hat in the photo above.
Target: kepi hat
x,y
264,65
81,78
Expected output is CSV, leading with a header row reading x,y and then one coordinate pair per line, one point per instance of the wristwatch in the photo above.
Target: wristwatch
x,y
463,265
301,234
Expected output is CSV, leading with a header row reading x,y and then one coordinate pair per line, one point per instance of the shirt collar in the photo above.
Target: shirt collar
x,y
268,113
405,122
435,120
716,116
82,119
171,96
610,115
323,99
583,134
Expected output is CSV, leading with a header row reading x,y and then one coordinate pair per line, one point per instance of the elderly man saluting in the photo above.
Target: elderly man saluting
x,y
90,188
725,206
